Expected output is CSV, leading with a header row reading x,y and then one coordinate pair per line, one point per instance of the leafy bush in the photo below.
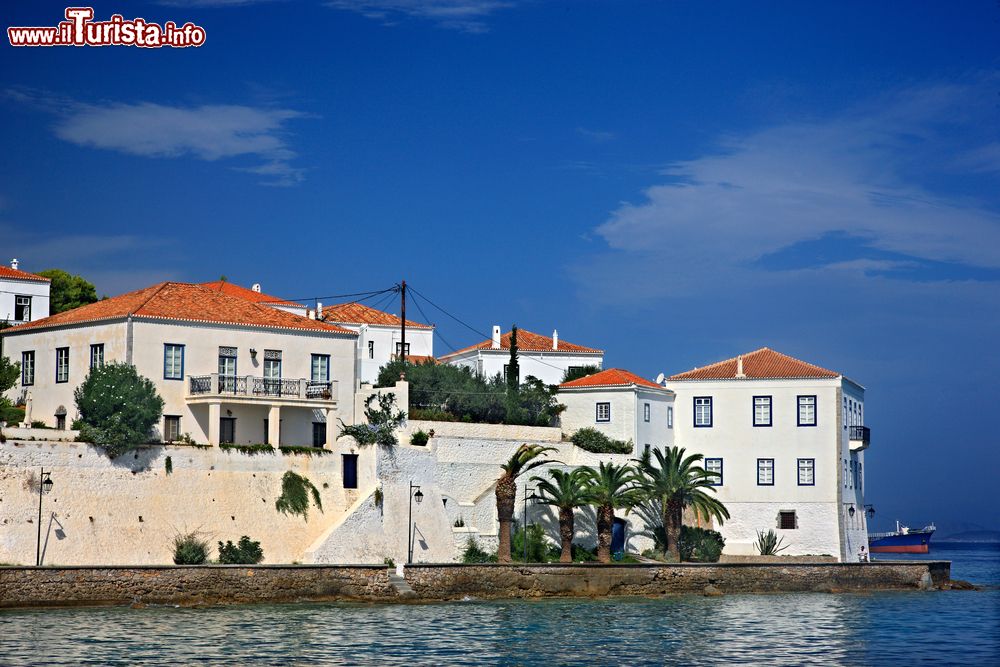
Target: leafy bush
x,y
581,555
577,372
37,423
244,552
190,549
249,450
419,439
594,441
700,545
539,549
382,422
432,415
9,413
768,543
295,492
475,554
118,407
168,465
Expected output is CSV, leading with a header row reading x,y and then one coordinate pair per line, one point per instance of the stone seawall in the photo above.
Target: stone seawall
x,y
233,584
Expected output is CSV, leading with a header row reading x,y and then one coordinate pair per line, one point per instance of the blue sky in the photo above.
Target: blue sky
x,y
673,182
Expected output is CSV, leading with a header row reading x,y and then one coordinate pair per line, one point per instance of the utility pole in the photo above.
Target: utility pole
x,y
402,322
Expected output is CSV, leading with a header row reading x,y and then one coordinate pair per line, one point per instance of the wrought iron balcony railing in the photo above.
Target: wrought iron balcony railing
x,y
861,434
259,387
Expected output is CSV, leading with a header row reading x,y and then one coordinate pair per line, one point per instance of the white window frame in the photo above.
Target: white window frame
x,y
27,368
96,355
605,407
22,301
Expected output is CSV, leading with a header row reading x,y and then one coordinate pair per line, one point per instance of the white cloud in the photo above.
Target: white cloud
x,y
464,15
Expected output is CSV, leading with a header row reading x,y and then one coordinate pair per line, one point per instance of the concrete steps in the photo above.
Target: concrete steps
x,y
402,587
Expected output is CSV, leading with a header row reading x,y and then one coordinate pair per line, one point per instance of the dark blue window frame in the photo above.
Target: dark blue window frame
x,y
798,410
59,352
165,347
720,477
711,410
24,368
770,411
646,410
798,472
312,359
773,474
597,413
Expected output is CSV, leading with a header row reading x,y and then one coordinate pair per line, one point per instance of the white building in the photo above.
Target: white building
x,y
255,295
786,439
545,358
24,297
622,406
228,369
379,336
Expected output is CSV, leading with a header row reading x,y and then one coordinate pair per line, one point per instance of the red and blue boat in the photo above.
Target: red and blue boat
x,y
903,540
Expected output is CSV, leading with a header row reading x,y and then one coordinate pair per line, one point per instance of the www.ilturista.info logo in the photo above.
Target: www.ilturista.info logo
x,y
80,29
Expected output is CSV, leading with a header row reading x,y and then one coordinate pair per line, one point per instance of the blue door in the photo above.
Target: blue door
x,y
618,529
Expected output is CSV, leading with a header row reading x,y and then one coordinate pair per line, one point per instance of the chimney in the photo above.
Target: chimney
x,y
310,313
319,310
255,287
13,263
555,339
495,343
739,367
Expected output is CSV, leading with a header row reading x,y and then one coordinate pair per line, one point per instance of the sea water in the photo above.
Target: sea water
x,y
887,628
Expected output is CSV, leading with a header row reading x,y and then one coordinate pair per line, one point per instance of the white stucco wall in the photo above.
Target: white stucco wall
x,y
384,338
37,290
549,367
627,414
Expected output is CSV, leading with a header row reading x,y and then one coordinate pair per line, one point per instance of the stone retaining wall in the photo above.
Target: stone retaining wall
x,y
233,584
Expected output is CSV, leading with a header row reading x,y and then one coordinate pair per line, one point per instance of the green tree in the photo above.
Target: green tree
x,y
610,487
67,291
382,422
577,372
10,373
244,552
565,491
675,481
524,459
118,407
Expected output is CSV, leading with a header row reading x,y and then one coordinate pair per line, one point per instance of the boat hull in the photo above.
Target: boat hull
x,y
914,542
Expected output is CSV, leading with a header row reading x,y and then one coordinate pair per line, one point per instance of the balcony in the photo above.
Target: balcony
x,y
247,388
860,437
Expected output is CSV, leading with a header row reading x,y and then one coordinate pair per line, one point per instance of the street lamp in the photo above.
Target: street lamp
x,y
851,510
418,496
871,510
44,486
533,497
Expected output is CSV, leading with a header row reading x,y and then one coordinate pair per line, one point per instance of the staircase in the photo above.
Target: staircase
x,y
402,587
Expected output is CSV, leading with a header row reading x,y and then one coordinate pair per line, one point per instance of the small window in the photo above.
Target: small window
x,y
320,368
645,412
350,470
765,472
703,411
506,370
807,411
670,416
371,349
714,468
761,410
61,422
787,520
28,368
807,472
171,428
399,346
22,308
319,434
845,473
646,449
861,479
62,364
173,361
603,412
845,413
96,356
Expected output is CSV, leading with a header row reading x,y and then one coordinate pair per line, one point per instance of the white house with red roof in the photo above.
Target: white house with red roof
x,y
546,358
24,297
622,406
786,441
380,336
230,370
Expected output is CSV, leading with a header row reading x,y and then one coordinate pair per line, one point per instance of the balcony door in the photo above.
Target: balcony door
x,y
272,376
227,370
227,430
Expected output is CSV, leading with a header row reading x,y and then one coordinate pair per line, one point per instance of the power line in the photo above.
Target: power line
x,y
436,331
345,296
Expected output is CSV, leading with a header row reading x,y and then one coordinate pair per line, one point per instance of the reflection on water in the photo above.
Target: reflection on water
x,y
884,628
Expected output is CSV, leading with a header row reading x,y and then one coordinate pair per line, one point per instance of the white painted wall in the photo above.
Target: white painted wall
x,y
549,367
627,414
37,290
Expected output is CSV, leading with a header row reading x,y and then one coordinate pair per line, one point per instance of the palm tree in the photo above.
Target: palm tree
x,y
523,460
610,487
675,482
567,491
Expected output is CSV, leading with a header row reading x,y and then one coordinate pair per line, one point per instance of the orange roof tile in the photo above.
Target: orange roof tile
x,y
527,342
358,313
612,377
248,294
183,302
8,273
764,363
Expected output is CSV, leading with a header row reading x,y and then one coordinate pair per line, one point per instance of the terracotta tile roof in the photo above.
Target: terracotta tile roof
x,y
248,294
183,302
7,273
764,363
611,377
358,313
527,342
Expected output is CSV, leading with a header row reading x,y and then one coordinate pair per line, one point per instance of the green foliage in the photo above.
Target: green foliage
x,y
593,440
539,549
190,549
10,373
249,450
460,522
389,561
513,381
382,422
37,423
419,439
244,552
475,554
768,543
168,465
565,490
378,497
612,486
9,413
295,492
581,555
700,545
288,450
441,392
67,291
118,407
578,372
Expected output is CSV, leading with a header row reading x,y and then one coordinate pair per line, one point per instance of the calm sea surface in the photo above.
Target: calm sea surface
x,y
852,629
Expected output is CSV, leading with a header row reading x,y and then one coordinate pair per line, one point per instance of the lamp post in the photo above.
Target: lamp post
x,y
44,486
415,494
526,499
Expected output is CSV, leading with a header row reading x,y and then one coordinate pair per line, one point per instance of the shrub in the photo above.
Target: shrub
x,y
9,413
37,423
768,543
419,439
577,372
538,546
581,555
249,450
475,554
118,407
295,492
190,549
381,425
594,441
244,552
700,545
